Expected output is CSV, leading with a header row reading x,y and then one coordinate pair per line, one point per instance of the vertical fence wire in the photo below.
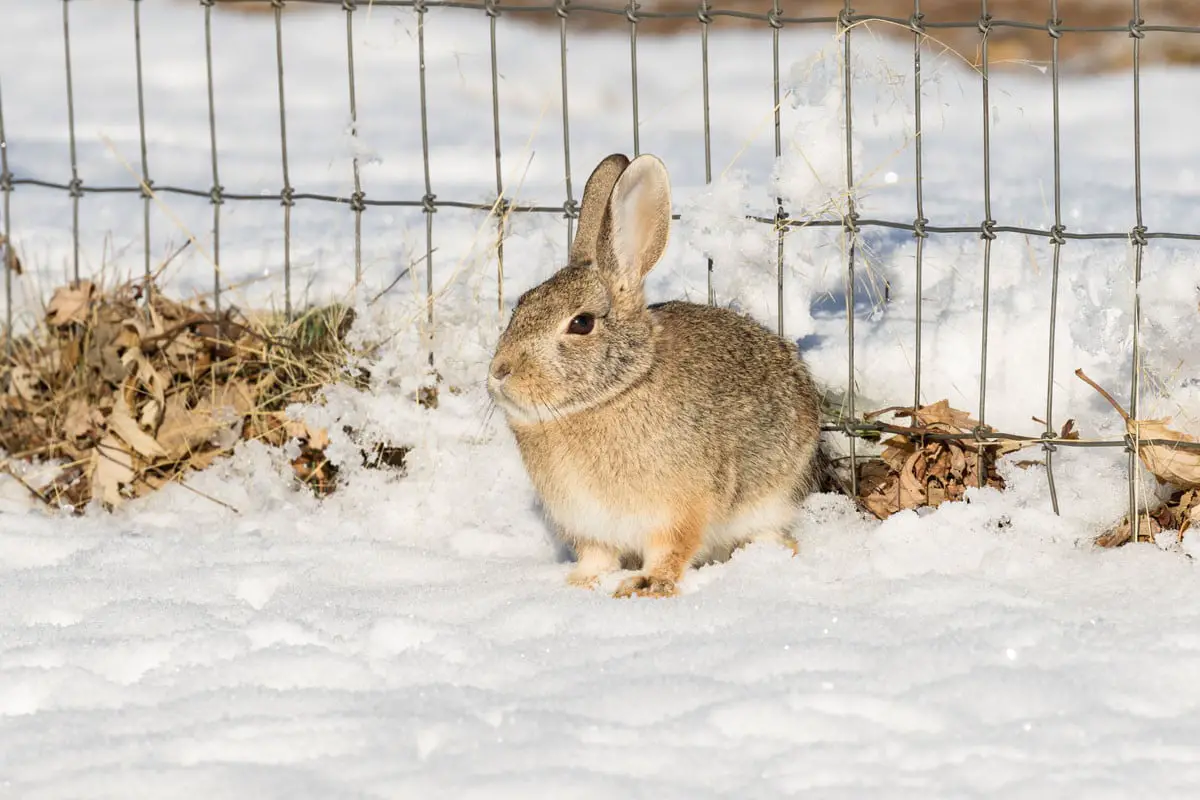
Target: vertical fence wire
x,y
850,233
780,213
1138,237
986,230
147,184
356,199
705,20
631,14
1057,242
918,26
562,9
428,201
76,188
215,193
285,195
501,201
7,250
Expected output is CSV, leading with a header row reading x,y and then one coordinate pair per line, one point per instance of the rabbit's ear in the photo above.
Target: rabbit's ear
x,y
639,221
596,192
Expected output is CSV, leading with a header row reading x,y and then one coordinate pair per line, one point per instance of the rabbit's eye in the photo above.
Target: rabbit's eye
x,y
582,324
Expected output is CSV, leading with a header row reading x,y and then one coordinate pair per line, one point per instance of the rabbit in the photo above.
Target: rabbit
x,y
671,433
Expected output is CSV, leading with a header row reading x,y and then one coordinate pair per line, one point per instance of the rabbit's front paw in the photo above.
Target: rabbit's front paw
x,y
583,579
646,586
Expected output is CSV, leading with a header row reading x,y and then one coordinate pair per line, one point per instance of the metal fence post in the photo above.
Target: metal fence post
x,y
1138,237
1056,242
6,187
987,231
286,195
850,234
76,186
215,192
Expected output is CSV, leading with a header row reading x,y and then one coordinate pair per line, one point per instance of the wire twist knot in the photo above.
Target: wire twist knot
x,y
987,229
147,188
845,19
489,8
984,24
631,9
850,222
1056,235
1138,236
917,23
571,209
919,228
6,181
773,18
703,15
561,9
349,5
216,195
429,203
1135,28
287,196
356,202
75,187
1053,27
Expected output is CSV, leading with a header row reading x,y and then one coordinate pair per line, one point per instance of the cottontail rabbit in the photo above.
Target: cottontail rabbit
x,y
674,432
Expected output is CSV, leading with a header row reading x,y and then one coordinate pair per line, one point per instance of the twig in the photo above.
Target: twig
x,y
6,468
1079,373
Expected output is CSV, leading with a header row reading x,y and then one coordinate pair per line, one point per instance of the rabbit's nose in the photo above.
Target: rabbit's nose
x,y
501,369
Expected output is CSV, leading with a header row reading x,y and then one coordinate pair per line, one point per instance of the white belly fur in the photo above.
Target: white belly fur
x,y
582,516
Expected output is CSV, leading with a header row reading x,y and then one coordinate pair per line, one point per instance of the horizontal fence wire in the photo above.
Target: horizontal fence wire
x,y
704,15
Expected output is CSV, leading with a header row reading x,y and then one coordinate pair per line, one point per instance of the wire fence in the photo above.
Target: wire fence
x,y
704,15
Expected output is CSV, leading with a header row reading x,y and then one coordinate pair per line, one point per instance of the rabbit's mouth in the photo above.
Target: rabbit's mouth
x,y
514,410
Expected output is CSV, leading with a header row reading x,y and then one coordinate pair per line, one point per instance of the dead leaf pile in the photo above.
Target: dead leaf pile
x,y
916,469
132,390
1173,457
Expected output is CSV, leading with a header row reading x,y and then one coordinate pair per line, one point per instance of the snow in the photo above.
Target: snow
x,y
414,636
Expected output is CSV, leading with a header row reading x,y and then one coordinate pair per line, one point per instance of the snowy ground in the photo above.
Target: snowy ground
x,y
412,638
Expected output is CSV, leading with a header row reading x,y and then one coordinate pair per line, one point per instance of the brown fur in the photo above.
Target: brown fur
x,y
675,432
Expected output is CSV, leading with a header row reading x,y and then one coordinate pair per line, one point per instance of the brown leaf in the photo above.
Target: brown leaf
x,y
912,493
1170,464
958,461
233,398
881,505
14,263
184,430
1123,532
896,451
23,383
112,468
70,304
122,424
313,438
940,413
81,419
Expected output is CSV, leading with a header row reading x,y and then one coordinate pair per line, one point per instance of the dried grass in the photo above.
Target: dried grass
x,y
129,390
